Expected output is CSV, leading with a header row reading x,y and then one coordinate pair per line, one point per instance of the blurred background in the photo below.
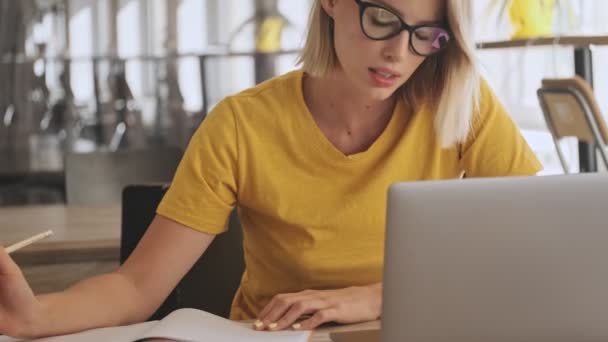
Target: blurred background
x,y
84,76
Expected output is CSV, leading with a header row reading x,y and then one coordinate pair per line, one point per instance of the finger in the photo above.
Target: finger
x,y
7,265
297,310
277,306
278,310
269,306
321,317
276,300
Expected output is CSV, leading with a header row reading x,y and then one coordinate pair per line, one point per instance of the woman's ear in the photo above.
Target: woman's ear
x,y
328,6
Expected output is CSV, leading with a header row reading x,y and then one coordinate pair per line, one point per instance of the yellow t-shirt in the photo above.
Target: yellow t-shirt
x,y
312,217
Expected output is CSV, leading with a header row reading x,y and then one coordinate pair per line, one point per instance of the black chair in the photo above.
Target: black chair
x,y
212,282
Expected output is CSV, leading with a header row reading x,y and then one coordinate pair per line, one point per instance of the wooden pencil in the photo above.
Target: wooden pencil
x,y
12,248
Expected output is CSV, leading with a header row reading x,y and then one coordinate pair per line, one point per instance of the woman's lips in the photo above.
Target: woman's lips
x,y
383,78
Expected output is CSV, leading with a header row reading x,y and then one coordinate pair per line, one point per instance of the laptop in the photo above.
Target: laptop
x,y
493,260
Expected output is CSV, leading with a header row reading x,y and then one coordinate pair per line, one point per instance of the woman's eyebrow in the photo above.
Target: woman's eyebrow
x,y
400,14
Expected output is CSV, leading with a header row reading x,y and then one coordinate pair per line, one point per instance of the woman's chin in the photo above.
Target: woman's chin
x,y
382,94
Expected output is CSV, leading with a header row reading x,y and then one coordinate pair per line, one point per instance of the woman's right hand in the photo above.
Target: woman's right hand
x,y
20,311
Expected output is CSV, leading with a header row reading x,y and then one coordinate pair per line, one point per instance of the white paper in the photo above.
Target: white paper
x,y
189,325
198,326
127,333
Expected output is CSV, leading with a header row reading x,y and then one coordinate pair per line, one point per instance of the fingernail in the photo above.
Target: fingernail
x,y
272,326
296,326
258,324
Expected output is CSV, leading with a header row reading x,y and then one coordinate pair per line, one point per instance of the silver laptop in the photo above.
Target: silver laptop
x,y
497,260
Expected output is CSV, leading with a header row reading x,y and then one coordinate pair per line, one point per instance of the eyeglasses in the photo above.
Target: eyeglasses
x,y
380,23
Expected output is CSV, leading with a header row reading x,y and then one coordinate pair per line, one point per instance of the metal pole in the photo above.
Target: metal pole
x,y
204,91
583,66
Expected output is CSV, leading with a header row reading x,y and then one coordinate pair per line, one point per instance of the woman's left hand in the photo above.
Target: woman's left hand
x,y
349,305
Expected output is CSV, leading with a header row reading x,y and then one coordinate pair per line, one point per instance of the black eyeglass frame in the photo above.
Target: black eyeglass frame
x,y
364,5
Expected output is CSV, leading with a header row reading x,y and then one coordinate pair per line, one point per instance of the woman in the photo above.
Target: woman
x,y
389,92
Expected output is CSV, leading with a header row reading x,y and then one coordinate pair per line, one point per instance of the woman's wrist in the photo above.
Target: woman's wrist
x,y
41,321
376,298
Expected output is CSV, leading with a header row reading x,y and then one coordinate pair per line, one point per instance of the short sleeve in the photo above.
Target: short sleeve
x,y
203,191
495,146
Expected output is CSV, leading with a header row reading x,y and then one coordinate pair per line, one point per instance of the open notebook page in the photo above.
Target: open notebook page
x,y
189,325
198,326
127,333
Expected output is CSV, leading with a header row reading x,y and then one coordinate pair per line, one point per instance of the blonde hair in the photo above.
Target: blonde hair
x,y
447,83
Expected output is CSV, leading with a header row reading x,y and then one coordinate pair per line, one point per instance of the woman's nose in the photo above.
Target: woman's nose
x,y
397,48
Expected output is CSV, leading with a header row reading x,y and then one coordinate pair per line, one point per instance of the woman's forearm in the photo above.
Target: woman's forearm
x,y
106,300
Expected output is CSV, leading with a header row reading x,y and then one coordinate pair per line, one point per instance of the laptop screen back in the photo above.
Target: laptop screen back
x,y
512,259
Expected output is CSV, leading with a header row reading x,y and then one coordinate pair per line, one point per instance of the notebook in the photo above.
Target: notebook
x,y
188,325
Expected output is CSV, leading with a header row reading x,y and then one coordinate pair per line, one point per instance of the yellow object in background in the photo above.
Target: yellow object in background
x,y
269,35
532,18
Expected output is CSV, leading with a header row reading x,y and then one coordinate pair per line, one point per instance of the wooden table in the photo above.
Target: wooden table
x,y
583,66
80,233
322,335
86,242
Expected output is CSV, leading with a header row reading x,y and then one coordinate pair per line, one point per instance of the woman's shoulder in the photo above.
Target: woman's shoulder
x,y
492,115
265,100
487,94
488,103
275,88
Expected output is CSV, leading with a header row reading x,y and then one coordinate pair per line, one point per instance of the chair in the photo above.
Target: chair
x,y
99,177
213,280
571,110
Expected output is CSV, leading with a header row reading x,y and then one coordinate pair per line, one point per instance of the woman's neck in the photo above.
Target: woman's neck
x,y
333,99
351,121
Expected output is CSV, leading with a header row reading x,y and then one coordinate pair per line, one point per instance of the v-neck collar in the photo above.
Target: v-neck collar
x,y
322,141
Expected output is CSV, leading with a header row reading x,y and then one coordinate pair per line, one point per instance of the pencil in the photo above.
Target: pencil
x,y
27,242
